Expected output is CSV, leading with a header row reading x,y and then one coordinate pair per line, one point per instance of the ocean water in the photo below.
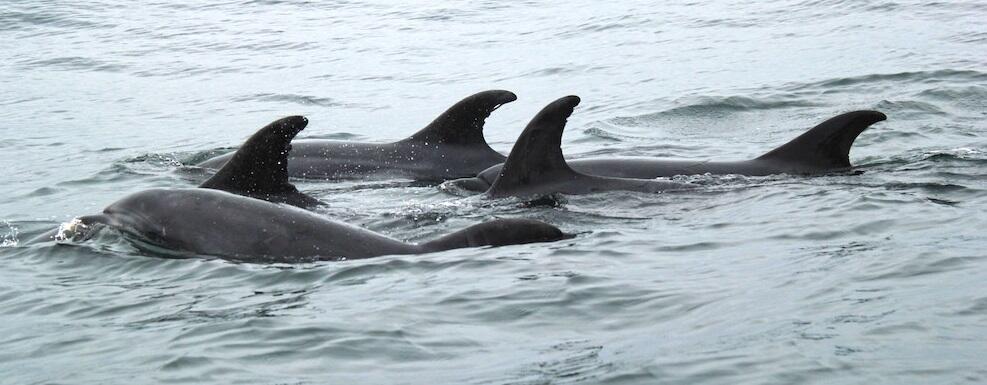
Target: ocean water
x,y
872,277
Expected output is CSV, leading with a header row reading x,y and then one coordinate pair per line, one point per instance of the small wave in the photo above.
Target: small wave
x,y
961,153
921,267
195,158
168,160
23,99
710,106
75,63
185,70
546,72
929,187
722,22
8,234
938,158
250,46
290,98
153,166
14,21
605,25
44,191
889,7
977,308
910,107
849,5
570,362
928,77
443,14
970,38
952,94
603,130
257,306
73,231
973,97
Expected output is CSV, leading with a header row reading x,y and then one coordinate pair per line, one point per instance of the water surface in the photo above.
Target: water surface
x,y
869,278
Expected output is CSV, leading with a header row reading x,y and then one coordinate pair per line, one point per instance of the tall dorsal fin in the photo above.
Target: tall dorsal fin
x,y
537,155
462,123
826,146
260,167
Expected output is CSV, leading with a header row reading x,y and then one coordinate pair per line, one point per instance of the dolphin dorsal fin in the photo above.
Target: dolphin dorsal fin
x,y
827,145
260,167
537,155
462,124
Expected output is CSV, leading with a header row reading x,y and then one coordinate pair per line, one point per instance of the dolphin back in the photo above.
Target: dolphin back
x,y
498,232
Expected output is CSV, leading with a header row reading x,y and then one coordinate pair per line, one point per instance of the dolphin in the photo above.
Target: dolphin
x,y
822,149
240,214
536,166
452,146
230,226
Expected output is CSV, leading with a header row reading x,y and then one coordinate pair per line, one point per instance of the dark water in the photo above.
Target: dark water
x,y
870,278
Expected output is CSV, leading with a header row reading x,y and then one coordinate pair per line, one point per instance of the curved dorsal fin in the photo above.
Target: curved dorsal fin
x,y
537,155
462,123
827,145
260,167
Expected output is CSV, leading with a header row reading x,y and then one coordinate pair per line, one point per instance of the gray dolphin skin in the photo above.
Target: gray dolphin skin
x,y
217,223
259,169
452,146
536,166
823,149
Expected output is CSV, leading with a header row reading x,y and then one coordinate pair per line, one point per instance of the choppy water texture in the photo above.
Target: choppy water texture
x,y
842,279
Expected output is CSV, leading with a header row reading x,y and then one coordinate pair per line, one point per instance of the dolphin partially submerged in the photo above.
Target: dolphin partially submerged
x,y
238,214
822,149
452,146
217,223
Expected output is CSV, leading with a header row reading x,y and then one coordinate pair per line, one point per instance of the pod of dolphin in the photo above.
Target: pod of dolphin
x,y
250,210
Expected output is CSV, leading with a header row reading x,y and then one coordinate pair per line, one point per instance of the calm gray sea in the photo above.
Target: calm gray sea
x,y
876,278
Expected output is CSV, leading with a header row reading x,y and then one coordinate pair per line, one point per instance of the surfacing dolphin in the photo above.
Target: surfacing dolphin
x,y
823,149
536,167
217,223
452,146
224,217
